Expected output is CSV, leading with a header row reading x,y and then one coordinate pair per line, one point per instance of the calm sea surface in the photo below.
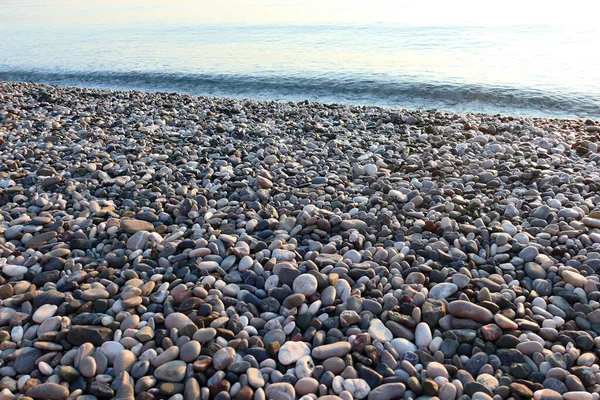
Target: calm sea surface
x,y
380,53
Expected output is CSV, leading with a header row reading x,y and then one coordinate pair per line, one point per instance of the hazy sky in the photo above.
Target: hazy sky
x,y
406,12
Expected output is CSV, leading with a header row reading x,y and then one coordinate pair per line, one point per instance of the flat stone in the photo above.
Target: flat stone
x,y
48,391
138,240
280,391
547,394
338,349
41,239
403,345
378,331
25,361
388,391
95,294
11,270
172,371
132,226
443,290
353,224
466,309
96,335
291,352
44,312
204,335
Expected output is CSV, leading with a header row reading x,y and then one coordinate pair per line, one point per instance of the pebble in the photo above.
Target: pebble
x,y
291,352
305,284
172,371
378,331
155,245
423,335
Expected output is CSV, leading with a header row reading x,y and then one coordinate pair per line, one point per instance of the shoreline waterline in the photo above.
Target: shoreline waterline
x,y
120,84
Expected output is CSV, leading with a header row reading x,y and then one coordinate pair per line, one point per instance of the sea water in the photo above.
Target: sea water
x,y
465,56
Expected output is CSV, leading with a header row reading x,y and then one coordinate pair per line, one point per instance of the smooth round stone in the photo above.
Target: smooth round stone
x,y
546,394
44,312
177,321
460,280
304,367
443,290
172,371
573,278
145,334
45,368
358,388
291,352
192,390
223,358
95,294
245,263
447,391
26,358
577,395
306,386
305,284
468,310
488,381
403,345
586,359
529,253
505,323
48,391
353,256
189,351
231,290
16,334
111,349
435,369
529,348
140,368
275,335
328,295
522,238
87,367
280,391
387,391
334,364
255,378
534,270
138,240
378,331
123,361
125,392
132,226
423,335
370,169
13,270
338,349
204,335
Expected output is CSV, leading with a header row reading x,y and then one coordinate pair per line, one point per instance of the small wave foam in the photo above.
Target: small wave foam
x,y
344,89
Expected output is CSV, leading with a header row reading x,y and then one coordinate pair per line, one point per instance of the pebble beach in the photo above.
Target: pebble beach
x,y
165,246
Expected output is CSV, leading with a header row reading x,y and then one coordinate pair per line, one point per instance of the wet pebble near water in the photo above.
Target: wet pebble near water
x,y
160,246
